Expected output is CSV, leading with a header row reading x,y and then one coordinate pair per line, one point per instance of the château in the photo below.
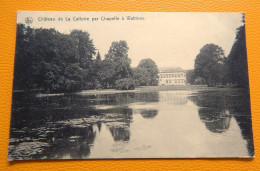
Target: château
x,y
172,76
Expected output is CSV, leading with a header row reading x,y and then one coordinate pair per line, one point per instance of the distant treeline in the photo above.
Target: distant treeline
x,y
49,61
213,68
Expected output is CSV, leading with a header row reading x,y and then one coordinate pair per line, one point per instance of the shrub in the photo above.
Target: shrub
x,y
125,84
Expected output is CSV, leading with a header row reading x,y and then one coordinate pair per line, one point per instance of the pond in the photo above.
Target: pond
x,y
159,124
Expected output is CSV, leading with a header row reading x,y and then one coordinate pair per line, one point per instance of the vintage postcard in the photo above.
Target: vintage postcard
x,y
101,85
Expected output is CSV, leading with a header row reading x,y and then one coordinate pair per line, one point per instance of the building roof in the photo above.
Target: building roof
x,y
170,69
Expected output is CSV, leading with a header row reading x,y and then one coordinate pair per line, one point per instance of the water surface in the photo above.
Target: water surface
x,y
160,124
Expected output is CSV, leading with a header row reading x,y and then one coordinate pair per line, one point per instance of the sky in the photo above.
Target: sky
x,y
169,38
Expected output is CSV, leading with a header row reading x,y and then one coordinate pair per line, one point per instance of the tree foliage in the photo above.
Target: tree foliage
x,y
237,60
214,68
49,61
53,62
146,73
209,64
125,84
118,54
190,76
106,73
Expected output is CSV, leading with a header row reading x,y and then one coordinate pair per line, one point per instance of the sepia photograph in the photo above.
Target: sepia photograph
x,y
122,85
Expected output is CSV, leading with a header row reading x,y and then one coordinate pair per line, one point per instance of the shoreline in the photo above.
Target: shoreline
x,y
138,89
147,89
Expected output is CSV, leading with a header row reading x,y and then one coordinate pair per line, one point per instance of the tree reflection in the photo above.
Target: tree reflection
x,y
215,121
146,113
242,113
71,141
99,125
213,110
120,133
218,106
62,142
119,123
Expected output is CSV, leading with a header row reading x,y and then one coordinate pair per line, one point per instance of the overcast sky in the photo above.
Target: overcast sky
x,y
170,39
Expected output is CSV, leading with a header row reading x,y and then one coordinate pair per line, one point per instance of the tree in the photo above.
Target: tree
x,y
51,61
237,59
148,72
106,73
23,77
98,57
141,77
84,45
209,64
85,51
190,76
125,84
118,53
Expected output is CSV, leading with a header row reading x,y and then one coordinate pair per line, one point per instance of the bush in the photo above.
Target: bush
x,y
125,84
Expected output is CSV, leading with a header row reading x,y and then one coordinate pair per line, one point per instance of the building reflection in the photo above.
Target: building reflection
x,y
177,97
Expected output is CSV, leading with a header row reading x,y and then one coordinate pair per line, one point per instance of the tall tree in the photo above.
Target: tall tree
x,y
85,47
237,59
209,64
23,78
86,51
118,53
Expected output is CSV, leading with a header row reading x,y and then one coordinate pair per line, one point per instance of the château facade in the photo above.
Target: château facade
x,y
172,76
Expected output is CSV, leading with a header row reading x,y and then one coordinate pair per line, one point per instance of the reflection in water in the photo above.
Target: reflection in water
x,y
215,121
125,125
53,143
178,97
217,108
148,113
119,133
